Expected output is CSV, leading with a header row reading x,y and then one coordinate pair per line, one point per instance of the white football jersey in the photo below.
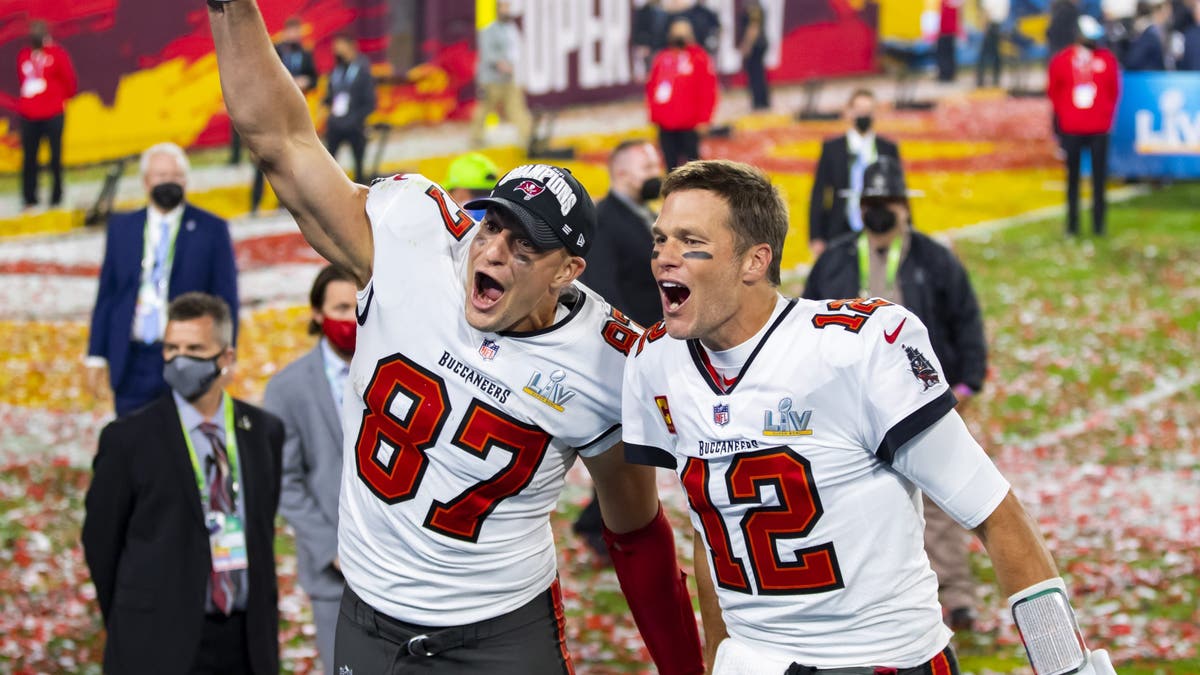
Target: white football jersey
x,y
457,441
814,540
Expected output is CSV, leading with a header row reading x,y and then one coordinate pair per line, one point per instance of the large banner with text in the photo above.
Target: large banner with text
x,y
147,72
1157,129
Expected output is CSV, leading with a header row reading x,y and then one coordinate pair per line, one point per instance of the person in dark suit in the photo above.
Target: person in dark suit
x,y
299,62
179,526
840,168
350,99
152,256
619,262
619,265
307,396
890,260
1149,51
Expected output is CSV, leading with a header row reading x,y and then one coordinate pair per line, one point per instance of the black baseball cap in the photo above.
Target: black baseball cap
x,y
884,179
550,205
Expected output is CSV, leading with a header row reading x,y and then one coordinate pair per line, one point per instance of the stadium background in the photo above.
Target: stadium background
x,y
1096,426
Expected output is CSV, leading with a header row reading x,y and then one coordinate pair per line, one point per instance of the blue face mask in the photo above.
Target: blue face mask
x,y
477,214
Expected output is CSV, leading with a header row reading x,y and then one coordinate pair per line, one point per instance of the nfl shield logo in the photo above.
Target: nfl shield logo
x,y
488,349
721,413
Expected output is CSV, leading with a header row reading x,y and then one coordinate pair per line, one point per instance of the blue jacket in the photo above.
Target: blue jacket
x,y
203,262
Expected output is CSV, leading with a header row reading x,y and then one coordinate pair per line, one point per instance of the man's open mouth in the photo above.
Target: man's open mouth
x,y
674,294
486,291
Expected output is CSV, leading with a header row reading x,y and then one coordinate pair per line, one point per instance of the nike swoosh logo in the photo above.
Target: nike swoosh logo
x,y
891,337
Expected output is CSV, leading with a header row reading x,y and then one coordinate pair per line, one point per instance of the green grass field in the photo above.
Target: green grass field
x,y
1090,409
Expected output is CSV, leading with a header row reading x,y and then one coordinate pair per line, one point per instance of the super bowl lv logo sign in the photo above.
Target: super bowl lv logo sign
x,y
550,391
788,423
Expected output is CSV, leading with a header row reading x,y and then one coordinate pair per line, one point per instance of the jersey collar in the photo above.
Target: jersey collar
x,y
710,375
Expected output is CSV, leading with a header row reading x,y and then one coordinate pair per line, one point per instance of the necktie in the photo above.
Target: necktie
x,y
853,212
224,584
152,324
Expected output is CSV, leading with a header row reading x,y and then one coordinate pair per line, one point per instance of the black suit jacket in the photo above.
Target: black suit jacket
x,y
618,264
147,548
827,206
936,288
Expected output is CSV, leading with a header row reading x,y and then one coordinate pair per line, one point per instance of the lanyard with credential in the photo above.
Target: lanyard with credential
x,y
864,264
230,449
148,253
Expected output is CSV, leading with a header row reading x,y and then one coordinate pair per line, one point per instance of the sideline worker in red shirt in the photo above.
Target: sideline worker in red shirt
x,y
1084,83
681,94
47,82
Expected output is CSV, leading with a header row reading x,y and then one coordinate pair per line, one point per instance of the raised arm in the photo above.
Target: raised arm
x,y
269,113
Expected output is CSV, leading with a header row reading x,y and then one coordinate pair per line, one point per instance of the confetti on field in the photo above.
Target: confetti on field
x,y
1090,410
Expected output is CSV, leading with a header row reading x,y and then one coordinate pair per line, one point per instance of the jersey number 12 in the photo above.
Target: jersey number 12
x,y
789,474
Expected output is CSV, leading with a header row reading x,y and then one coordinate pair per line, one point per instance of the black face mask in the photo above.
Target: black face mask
x,y
167,196
37,41
651,188
879,219
862,123
678,43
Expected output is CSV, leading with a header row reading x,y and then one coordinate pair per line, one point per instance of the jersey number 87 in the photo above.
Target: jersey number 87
x,y
390,450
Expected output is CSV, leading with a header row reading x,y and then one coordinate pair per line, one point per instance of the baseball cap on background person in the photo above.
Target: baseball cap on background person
x,y
883,184
883,179
549,203
471,176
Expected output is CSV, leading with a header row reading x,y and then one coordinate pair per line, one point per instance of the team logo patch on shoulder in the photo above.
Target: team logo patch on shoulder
x,y
789,422
665,410
922,369
721,414
551,392
530,188
489,349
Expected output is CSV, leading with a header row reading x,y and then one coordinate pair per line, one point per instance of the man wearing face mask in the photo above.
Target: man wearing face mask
x,y
471,176
180,516
681,94
619,264
152,256
47,81
350,100
299,63
890,260
307,396
840,169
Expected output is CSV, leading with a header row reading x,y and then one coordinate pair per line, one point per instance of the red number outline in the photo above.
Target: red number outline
x,y
459,223
816,569
482,429
728,568
397,481
862,308
620,333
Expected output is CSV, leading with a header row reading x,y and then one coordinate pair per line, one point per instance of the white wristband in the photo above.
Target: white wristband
x,y
1048,629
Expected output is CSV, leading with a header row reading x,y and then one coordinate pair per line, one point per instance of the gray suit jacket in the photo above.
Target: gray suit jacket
x,y
312,468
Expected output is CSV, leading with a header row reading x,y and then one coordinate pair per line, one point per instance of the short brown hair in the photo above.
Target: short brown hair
x,y
859,93
316,296
757,214
197,305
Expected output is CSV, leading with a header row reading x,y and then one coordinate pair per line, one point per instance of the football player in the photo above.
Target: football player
x,y
481,371
803,433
